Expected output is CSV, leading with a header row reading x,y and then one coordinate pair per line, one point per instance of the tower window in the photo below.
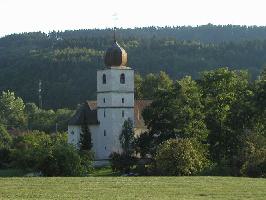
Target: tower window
x,y
123,113
104,79
123,100
103,113
122,78
103,100
104,133
105,147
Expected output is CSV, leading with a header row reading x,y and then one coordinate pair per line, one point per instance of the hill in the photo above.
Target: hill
x,y
66,62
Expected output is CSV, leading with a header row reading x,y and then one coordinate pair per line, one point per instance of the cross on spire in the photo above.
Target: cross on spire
x,y
114,34
115,18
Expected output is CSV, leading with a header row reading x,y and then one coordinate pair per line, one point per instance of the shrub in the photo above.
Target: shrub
x,y
51,155
223,168
86,162
31,149
5,143
145,167
254,169
122,162
64,160
252,155
180,157
144,144
4,157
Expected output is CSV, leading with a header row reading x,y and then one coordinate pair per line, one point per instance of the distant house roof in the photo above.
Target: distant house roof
x,y
87,113
92,104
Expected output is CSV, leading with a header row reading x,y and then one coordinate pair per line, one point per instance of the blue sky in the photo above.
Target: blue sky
x,y
47,15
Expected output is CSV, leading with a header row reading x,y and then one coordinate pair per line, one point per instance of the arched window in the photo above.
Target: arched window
x,y
104,79
104,133
123,113
104,113
123,100
103,100
122,78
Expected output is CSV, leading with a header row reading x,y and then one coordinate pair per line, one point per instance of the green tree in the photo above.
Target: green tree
x,y
126,137
62,117
85,138
47,120
125,160
12,110
5,138
259,120
144,144
252,155
180,157
138,82
223,90
44,120
31,149
152,83
263,74
31,110
177,113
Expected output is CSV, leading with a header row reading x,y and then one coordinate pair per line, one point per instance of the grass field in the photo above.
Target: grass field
x,y
133,188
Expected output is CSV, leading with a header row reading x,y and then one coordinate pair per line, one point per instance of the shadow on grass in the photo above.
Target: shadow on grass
x,y
104,171
12,172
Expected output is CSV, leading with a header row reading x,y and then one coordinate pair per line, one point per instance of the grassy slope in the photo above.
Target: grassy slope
x,y
133,188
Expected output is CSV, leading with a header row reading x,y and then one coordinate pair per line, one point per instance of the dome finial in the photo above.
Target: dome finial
x,y
115,56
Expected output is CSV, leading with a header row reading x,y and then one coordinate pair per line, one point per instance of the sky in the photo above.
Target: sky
x,y
18,16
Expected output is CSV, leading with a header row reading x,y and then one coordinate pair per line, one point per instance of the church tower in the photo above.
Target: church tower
x,y
115,99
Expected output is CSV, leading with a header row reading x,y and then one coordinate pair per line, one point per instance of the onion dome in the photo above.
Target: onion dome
x,y
115,56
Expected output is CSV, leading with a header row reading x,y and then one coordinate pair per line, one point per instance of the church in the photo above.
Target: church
x,y
115,103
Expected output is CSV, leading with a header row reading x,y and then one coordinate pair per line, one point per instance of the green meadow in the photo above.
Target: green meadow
x,y
132,188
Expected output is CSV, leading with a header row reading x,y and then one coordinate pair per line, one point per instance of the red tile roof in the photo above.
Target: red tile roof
x,y
138,108
88,112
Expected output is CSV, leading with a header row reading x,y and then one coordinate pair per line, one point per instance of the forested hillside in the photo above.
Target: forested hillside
x,y
66,62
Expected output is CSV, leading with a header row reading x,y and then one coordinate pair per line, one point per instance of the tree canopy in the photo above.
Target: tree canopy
x,y
177,112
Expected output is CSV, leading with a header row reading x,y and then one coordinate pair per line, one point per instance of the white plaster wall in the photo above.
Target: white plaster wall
x,y
112,123
113,92
73,136
113,99
113,80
